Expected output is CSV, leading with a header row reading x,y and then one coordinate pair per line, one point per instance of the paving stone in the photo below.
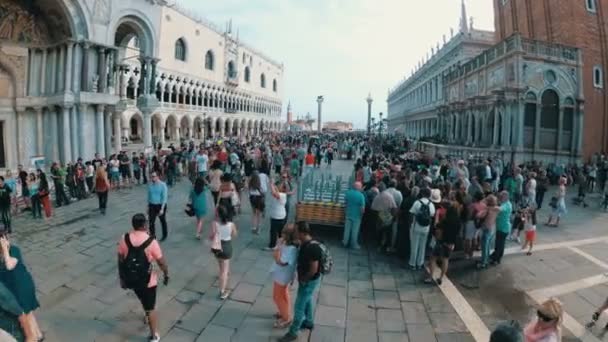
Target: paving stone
x,y
360,289
455,337
393,337
215,333
383,282
231,314
180,335
387,300
325,334
256,329
330,316
447,323
245,292
360,310
336,278
390,320
332,296
421,332
409,293
414,313
357,331
199,315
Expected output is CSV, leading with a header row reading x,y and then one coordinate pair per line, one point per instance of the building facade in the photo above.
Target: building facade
x,y
521,97
337,126
79,77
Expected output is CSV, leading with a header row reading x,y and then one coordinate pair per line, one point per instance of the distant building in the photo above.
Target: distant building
x,y
521,92
338,126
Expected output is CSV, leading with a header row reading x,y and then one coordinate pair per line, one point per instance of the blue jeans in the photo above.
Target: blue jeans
x,y
417,247
303,310
486,240
351,232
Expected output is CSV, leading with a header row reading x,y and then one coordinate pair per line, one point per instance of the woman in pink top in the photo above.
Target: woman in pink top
x,y
547,326
488,228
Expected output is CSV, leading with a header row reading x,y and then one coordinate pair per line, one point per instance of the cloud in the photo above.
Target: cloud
x,y
343,49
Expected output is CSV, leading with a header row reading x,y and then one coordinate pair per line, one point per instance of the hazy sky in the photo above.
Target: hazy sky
x,y
342,49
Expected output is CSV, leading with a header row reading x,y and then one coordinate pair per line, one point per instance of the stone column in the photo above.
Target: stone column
x,y
76,147
102,70
560,129
117,133
147,133
190,129
579,129
506,131
43,72
81,117
122,87
99,130
85,78
61,70
162,132
107,125
39,132
31,72
53,79
68,67
54,135
519,109
77,69
495,128
66,151
537,127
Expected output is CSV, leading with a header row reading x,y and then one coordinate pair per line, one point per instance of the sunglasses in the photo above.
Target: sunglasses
x,y
544,317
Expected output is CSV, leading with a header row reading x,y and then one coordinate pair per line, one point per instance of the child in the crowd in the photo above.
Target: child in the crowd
x,y
529,221
283,273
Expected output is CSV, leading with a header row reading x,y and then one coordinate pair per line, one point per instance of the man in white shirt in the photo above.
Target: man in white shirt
x,y
202,162
423,212
398,197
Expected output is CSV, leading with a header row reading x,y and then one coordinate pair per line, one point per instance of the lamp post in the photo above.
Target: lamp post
x,y
381,123
320,102
369,113
373,126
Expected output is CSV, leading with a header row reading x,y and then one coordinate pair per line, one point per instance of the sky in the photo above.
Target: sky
x,y
342,49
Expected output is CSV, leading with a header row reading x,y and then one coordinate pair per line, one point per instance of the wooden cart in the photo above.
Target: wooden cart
x,y
328,214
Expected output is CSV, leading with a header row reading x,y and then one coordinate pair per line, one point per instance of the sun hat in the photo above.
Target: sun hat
x,y
435,195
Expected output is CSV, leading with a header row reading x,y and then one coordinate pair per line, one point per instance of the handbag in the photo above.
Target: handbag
x,y
189,210
234,199
553,203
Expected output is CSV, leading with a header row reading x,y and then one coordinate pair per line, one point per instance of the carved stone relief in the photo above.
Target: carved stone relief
x,y
496,78
19,25
102,10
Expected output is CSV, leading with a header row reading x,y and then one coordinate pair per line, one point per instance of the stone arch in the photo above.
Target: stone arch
x,y
133,123
171,129
549,114
17,80
134,23
185,127
198,127
158,126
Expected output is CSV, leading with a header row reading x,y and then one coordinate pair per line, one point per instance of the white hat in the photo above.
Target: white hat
x,y
435,195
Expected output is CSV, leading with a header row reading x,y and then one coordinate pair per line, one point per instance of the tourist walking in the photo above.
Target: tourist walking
x,y
157,205
423,212
503,224
198,201
529,222
488,228
58,175
309,276
45,195
355,208
15,276
202,161
223,230
5,205
546,327
32,190
278,214
215,180
137,252
283,274
558,204
228,196
102,187
257,200
445,234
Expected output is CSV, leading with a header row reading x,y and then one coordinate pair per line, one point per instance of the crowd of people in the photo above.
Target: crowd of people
x,y
419,207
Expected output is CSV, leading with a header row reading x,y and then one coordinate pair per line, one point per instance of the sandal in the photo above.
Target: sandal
x,y
280,324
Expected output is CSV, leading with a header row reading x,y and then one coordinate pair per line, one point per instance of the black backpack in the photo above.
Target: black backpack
x,y
136,268
327,262
423,216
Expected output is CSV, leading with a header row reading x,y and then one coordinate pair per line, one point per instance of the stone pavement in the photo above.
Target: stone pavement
x,y
367,297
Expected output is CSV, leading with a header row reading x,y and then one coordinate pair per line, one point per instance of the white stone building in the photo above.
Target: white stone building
x,y
79,77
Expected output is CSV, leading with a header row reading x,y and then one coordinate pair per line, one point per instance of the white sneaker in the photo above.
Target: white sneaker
x,y
155,338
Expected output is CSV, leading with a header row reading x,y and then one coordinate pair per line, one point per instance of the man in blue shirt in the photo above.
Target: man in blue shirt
x,y
355,207
157,204
503,226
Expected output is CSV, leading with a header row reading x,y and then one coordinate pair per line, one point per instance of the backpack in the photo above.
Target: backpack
x,y
136,268
423,216
327,262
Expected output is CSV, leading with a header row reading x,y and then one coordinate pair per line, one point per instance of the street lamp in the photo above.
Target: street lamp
x,y
381,123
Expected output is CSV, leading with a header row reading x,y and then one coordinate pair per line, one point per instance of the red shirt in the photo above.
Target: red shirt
x,y
153,251
222,156
310,159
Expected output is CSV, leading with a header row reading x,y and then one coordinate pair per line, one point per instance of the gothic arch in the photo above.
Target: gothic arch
x,y
11,65
135,23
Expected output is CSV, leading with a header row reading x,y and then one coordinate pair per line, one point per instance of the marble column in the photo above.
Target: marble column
x,y
519,110
76,147
537,127
53,79
579,129
147,123
560,129
117,133
99,130
162,133
84,77
80,120
102,70
61,70
66,151
54,134
39,132
31,72
43,89
77,67
107,125
68,67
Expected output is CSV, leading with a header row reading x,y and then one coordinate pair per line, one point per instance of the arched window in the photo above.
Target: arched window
x,y
549,115
247,75
274,85
529,119
244,58
263,81
209,60
180,50
598,77
231,70
567,125
591,6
